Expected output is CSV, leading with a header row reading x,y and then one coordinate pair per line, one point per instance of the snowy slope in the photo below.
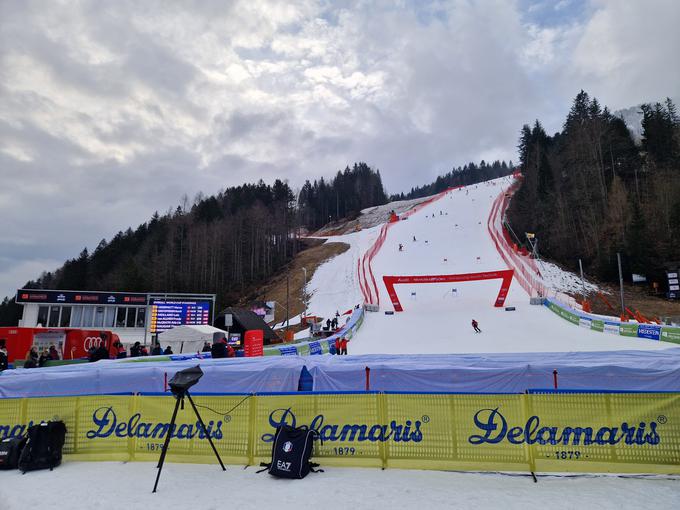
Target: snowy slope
x,y
115,485
451,237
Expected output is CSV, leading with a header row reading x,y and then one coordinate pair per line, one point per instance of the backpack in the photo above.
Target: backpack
x,y
10,449
291,451
43,446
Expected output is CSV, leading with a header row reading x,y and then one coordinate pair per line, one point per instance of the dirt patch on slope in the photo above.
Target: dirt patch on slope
x,y
635,298
319,251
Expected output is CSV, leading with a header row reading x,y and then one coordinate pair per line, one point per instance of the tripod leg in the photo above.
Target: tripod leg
x,y
200,420
161,460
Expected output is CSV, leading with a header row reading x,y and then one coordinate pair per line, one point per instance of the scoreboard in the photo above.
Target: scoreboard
x,y
169,313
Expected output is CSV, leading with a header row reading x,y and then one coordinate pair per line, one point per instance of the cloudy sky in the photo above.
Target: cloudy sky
x,y
111,110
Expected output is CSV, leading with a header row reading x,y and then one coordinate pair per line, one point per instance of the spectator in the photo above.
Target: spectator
x,y
102,352
157,351
168,350
4,358
136,350
54,354
31,360
343,345
337,346
44,357
121,351
144,351
206,347
219,349
231,353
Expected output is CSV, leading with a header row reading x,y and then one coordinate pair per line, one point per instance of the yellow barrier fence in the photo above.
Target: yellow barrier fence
x,y
585,432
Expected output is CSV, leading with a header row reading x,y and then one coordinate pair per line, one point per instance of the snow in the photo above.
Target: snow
x,y
115,485
564,281
435,320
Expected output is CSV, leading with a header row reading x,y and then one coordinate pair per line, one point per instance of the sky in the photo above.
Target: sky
x,y
111,110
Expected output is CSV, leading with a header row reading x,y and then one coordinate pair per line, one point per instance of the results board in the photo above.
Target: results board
x,y
167,314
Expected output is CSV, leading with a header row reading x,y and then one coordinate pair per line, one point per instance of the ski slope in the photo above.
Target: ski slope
x,y
451,238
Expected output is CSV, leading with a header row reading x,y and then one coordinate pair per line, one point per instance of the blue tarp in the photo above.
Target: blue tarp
x,y
242,375
474,373
506,373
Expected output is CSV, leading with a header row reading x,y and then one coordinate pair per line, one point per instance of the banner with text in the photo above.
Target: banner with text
x,y
614,432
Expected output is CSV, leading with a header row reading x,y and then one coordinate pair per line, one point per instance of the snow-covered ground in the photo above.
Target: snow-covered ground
x,y
451,237
564,281
115,485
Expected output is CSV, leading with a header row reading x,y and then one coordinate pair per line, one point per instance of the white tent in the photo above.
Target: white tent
x,y
184,339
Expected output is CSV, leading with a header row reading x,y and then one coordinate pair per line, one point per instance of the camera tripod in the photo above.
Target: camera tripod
x,y
179,396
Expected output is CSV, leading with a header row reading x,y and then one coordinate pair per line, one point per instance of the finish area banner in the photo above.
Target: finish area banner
x,y
505,275
564,432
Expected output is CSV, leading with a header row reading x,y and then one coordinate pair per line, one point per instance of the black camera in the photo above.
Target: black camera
x,y
185,379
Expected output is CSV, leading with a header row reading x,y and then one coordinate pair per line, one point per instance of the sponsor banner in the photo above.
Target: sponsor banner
x,y
597,325
628,329
611,327
670,334
538,432
288,351
650,331
585,322
84,297
565,314
315,348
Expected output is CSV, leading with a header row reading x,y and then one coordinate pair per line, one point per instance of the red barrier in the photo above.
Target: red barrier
x,y
505,275
529,280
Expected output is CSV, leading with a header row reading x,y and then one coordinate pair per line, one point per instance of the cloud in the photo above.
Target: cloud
x,y
110,111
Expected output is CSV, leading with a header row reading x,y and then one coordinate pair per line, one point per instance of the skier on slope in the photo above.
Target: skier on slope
x,y
401,247
475,325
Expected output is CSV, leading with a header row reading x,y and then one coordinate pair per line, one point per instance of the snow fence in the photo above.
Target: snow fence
x,y
613,326
537,431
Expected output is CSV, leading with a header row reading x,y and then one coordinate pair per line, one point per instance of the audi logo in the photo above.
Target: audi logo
x,y
92,341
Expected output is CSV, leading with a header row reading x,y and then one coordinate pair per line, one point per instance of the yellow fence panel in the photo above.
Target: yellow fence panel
x,y
610,432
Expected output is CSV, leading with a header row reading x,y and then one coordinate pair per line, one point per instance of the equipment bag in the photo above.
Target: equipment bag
x,y
10,449
43,446
291,451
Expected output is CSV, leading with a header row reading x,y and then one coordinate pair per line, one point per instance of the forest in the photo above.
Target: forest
x,y
461,176
590,191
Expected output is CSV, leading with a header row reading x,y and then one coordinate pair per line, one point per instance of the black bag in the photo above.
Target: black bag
x,y
43,446
10,449
291,452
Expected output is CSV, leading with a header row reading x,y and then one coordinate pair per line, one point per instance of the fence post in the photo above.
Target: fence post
x,y
368,379
132,441
252,429
555,378
382,418
524,398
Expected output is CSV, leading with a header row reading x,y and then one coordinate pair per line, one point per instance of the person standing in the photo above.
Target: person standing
x,y
31,358
4,358
54,354
219,349
136,350
121,352
475,326
343,345
44,357
338,347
